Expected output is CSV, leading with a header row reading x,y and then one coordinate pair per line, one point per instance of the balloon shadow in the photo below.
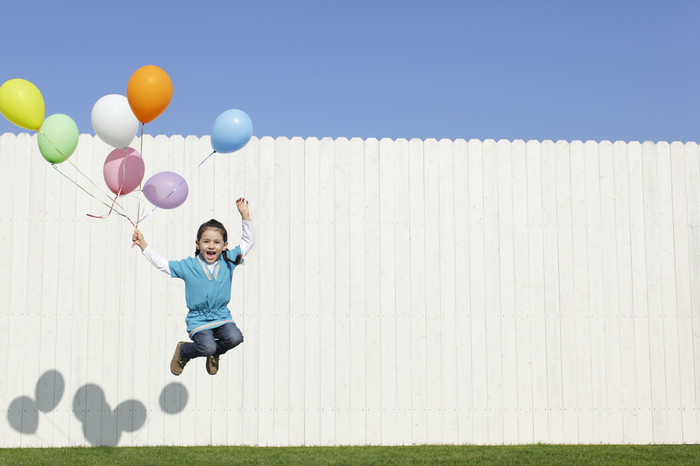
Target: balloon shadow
x,y
101,426
173,398
23,412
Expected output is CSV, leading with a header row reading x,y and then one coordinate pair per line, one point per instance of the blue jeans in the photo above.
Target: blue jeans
x,y
211,342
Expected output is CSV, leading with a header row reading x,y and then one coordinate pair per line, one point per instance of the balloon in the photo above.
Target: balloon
x,y
58,138
166,189
21,102
113,121
149,92
123,170
231,131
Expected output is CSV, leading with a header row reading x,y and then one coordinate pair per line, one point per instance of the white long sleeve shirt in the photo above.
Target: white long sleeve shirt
x,y
247,241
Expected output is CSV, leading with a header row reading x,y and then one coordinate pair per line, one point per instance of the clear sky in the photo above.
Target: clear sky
x,y
569,70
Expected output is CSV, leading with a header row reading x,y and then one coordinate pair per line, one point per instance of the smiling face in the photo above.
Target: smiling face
x,y
211,244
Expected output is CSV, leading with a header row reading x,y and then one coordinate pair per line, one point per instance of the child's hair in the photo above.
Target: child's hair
x,y
216,225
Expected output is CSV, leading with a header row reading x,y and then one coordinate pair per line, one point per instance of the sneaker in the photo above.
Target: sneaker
x,y
213,364
178,362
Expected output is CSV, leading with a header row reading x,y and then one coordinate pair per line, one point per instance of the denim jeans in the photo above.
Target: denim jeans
x,y
212,341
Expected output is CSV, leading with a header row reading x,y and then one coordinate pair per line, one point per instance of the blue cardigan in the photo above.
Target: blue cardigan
x,y
207,300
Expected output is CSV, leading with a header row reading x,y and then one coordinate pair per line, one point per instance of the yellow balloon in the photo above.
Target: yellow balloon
x,y
21,102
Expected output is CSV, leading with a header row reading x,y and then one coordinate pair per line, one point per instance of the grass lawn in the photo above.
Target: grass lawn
x,y
578,455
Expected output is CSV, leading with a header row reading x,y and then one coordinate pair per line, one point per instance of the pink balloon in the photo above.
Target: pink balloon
x,y
166,190
123,170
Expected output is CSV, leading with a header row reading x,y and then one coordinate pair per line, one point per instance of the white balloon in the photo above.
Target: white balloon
x,y
113,121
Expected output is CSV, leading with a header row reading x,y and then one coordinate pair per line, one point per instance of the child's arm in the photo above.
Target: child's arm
x,y
247,238
148,252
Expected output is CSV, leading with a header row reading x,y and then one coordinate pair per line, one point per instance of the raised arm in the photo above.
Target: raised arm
x,y
247,238
148,252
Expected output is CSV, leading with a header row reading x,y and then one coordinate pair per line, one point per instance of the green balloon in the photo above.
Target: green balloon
x,y
58,138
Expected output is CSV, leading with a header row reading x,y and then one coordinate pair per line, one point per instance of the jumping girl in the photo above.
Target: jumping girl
x,y
207,278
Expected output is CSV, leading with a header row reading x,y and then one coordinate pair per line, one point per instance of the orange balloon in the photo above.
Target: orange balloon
x,y
149,92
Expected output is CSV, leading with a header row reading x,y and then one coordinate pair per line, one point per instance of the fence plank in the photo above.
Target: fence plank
x,y
389,272
682,176
250,278
418,347
552,308
477,294
265,240
372,285
281,310
668,310
402,260
447,292
523,311
327,299
506,244
537,292
610,312
463,330
297,324
433,307
312,292
492,293
595,293
566,289
357,294
341,306
643,405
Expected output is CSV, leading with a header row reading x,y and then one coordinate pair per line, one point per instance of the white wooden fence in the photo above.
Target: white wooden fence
x,y
399,292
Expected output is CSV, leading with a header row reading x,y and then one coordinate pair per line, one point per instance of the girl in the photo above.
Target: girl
x,y
207,279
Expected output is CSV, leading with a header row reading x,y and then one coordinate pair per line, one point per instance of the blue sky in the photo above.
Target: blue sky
x,y
570,70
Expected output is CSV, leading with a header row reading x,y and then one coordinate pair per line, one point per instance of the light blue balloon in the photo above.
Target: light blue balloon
x,y
231,131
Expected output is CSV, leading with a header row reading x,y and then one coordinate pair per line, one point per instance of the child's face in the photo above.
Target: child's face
x,y
211,244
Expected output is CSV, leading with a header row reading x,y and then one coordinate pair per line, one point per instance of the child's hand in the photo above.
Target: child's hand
x,y
242,205
139,240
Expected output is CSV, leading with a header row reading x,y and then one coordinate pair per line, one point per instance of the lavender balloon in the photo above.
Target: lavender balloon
x,y
166,190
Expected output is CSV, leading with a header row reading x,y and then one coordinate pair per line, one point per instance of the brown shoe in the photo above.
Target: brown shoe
x,y
213,364
178,362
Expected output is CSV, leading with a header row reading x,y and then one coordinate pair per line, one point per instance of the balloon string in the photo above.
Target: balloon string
x,y
138,208
176,188
79,171
91,195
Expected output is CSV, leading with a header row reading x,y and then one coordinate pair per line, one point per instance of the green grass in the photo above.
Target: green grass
x,y
578,455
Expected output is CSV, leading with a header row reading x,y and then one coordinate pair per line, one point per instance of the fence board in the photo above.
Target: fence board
x,y
610,311
389,272
327,296
492,293
668,310
523,311
281,310
297,310
312,292
447,293
506,244
373,298
357,293
682,172
252,332
537,292
463,330
566,287
477,294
